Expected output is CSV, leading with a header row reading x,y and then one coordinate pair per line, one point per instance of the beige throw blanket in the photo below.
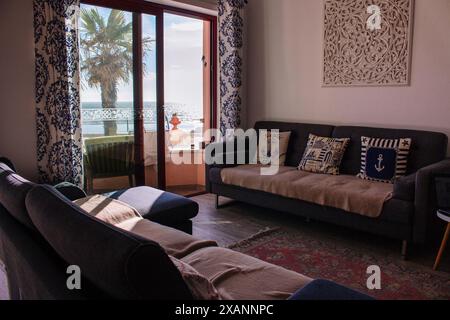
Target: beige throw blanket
x,y
344,192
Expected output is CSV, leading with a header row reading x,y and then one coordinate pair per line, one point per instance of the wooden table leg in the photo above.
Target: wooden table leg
x,y
442,249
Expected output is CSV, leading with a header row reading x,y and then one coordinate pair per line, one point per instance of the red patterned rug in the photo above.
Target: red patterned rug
x,y
400,280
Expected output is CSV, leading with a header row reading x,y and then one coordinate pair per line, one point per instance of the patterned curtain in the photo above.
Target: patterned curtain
x,y
59,145
231,34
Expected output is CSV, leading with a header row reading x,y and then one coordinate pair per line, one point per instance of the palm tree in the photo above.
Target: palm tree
x,y
107,55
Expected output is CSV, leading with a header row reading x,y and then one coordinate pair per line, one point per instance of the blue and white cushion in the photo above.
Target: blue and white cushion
x,y
384,160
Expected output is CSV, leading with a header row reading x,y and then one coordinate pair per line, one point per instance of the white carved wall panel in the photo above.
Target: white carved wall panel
x,y
367,42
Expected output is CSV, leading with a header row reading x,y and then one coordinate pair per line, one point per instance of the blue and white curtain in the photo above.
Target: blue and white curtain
x,y
231,42
58,118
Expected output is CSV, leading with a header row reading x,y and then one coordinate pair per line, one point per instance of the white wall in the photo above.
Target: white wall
x,y
17,106
285,67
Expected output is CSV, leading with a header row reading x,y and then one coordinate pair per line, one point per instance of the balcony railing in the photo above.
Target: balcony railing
x,y
128,114
93,120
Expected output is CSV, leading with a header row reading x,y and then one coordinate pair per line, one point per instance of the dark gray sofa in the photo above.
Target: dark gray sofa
x,y
36,271
42,233
408,216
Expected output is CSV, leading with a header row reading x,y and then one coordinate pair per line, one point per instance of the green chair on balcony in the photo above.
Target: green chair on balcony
x,y
108,157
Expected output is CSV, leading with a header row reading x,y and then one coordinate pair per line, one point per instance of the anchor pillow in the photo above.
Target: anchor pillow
x,y
384,160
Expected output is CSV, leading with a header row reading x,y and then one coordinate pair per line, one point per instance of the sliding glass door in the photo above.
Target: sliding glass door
x,y
187,91
147,94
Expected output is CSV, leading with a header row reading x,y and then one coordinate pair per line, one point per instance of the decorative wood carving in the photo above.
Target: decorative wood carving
x,y
367,42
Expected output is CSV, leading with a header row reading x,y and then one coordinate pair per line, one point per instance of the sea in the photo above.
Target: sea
x,y
191,117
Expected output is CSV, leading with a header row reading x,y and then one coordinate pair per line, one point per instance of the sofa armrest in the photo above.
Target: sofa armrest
x,y
425,198
70,191
405,188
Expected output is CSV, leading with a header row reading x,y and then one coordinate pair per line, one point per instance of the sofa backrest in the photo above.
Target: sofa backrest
x,y
122,264
34,270
8,163
299,136
427,147
13,191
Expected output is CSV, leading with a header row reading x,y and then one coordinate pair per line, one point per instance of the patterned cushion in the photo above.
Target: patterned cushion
x,y
265,152
323,155
384,160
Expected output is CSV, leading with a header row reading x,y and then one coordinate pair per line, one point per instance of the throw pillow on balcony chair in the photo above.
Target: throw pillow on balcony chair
x,y
384,160
323,155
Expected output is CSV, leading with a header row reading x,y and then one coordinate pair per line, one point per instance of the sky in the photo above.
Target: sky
x,y
183,44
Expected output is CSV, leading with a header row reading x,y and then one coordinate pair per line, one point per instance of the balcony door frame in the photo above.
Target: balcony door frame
x,y
137,8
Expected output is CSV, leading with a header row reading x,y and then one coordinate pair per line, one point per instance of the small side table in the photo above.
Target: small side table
x,y
444,215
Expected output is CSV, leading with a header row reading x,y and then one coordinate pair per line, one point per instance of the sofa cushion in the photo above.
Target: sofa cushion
x,y
240,277
348,193
158,206
176,243
266,154
384,160
299,136
427,147
323,155
13,191
122,264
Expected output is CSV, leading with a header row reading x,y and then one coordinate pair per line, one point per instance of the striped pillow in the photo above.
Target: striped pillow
x,y
384,160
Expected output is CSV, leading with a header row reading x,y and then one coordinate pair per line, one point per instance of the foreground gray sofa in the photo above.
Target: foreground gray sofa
x,y
42,233
408,216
